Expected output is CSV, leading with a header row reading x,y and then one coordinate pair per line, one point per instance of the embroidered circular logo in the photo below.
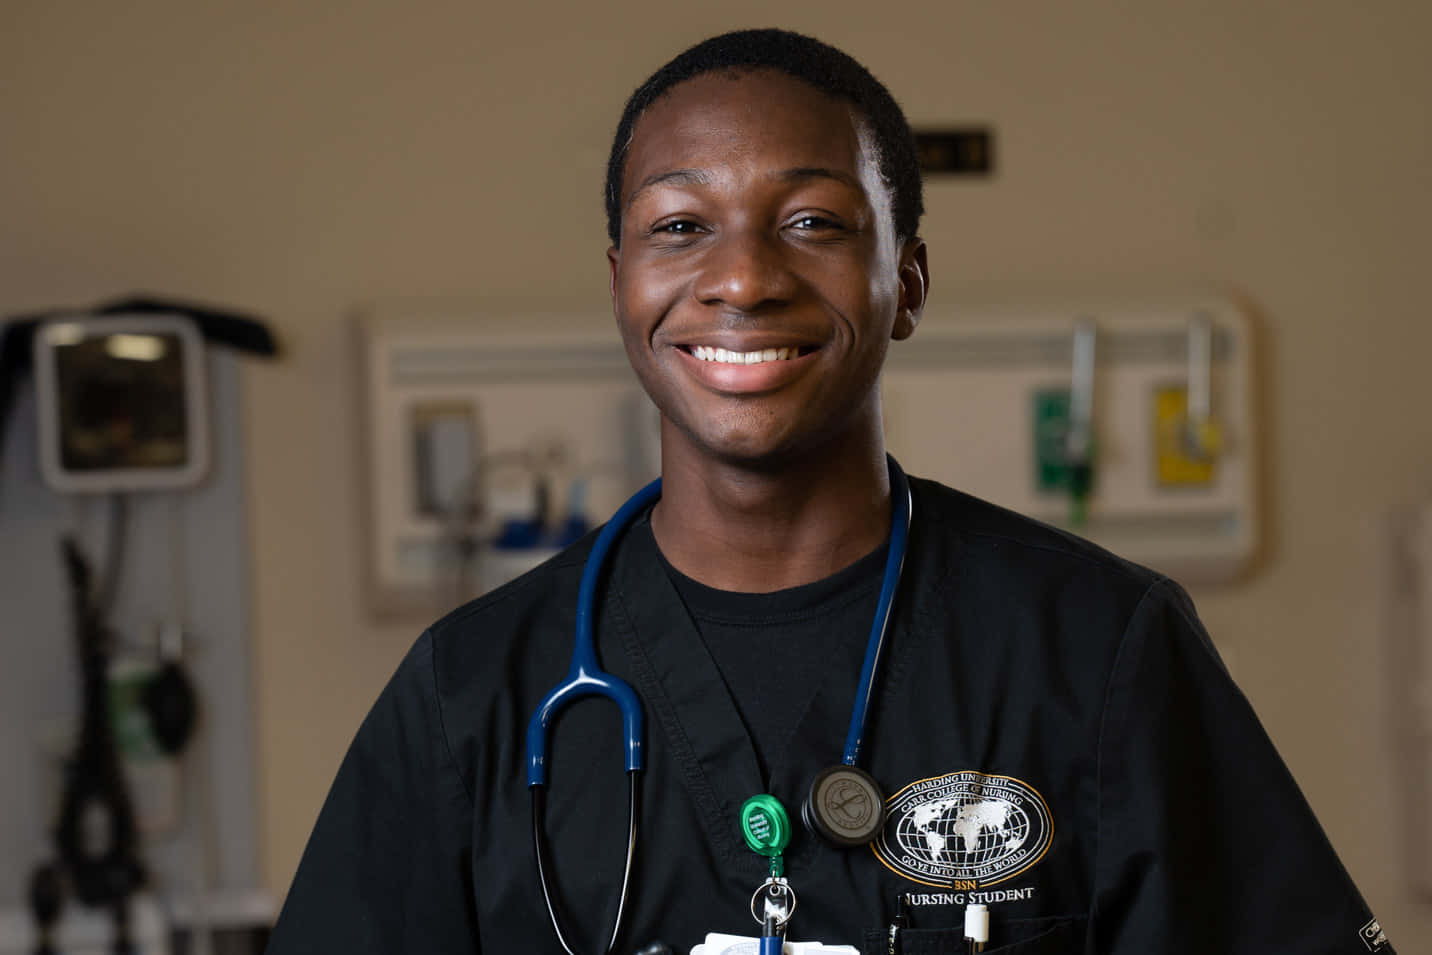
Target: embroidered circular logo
x,y
965,827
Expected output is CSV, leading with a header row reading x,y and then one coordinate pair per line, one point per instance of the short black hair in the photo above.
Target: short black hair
x,y
829,70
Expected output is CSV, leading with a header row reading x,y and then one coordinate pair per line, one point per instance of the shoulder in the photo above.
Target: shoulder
x,y
1052,593
1003,548
483,643
517,596
990,527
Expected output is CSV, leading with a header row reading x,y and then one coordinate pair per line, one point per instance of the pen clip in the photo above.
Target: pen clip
x,y
898,924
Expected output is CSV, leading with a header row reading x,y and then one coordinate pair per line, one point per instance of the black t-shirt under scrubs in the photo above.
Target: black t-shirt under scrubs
x,y
774,650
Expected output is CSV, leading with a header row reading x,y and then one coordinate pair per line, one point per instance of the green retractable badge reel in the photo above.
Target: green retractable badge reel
x,y
767,828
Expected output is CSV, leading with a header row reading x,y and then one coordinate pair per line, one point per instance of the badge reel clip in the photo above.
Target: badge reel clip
x,y
767,830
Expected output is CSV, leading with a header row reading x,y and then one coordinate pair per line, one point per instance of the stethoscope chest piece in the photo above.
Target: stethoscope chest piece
x,y
845,806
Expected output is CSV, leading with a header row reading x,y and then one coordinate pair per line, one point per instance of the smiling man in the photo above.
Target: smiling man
x,y
1061,747
758,279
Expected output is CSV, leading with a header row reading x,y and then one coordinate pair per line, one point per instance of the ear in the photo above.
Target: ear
x,y
914,287
614,258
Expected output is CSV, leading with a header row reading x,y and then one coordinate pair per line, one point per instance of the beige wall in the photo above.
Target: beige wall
x,y
304,160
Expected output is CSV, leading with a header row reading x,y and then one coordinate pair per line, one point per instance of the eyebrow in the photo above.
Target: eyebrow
x,y
819,172
700,177
679,177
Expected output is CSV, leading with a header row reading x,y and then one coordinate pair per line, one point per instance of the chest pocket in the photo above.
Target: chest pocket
x,y
1047,936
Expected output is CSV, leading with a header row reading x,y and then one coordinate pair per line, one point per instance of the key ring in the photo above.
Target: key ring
x,y
775,890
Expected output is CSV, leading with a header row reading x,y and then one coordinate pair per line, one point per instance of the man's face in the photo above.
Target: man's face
x,y
759,282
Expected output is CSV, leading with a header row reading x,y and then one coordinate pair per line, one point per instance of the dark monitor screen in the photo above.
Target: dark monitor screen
x,y
121,402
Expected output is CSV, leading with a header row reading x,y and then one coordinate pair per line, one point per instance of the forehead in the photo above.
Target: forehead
x,y
752,118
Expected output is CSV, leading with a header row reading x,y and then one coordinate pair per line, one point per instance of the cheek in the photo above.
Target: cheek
x,y
864,298
858,269
645,291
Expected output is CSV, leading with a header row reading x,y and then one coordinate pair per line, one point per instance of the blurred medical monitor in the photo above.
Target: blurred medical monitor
x,y
122,403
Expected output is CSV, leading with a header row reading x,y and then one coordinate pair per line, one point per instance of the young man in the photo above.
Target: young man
x,y
1056,735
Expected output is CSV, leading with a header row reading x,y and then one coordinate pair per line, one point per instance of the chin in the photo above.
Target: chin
x,y
753,450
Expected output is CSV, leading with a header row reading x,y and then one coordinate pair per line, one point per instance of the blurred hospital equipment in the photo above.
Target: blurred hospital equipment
x,y
1129,419
133,423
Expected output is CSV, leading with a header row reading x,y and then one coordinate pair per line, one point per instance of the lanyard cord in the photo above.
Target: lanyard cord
x,y
544,859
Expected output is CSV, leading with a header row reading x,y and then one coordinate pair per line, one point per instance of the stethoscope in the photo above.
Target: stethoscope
x,y
845,805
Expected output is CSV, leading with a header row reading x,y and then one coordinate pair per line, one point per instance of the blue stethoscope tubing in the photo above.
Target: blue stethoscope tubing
x,y
875,646
585,677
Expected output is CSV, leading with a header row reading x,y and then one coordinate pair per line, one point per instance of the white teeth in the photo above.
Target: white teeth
x,y
707,353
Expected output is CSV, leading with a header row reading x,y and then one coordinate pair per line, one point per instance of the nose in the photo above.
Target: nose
x,y
745,270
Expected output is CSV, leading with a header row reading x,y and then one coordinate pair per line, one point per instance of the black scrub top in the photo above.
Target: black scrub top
x,y
1055,733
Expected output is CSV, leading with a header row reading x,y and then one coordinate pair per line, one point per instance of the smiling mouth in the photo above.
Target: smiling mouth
x,y
757,357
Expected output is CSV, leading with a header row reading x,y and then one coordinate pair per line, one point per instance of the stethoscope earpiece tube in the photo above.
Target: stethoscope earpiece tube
x,y
845,806
894,565
585,677
544,860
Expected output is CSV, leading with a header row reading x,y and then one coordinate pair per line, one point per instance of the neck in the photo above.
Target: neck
x,y
759,530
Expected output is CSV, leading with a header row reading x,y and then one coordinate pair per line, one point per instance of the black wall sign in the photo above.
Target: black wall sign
x,y
965,151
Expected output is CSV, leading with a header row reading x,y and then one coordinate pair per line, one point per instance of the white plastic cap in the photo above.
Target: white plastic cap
x,y
977,923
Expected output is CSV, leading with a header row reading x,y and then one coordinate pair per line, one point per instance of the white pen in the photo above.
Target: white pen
x,y
976,927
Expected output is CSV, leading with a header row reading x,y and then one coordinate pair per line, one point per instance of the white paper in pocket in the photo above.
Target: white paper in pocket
x,y
746,945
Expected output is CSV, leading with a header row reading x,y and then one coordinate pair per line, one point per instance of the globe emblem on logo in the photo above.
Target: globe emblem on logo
x,y
848,803
967,826
963,832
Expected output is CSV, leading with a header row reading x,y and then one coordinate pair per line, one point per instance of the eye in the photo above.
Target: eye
x,y
811,222
676,227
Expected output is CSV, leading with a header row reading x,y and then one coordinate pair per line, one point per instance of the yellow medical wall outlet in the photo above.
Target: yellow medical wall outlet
x,y
1185,452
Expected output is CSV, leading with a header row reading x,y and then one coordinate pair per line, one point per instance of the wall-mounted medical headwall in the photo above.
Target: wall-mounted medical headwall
x,y
1127,421
122,403
494,439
